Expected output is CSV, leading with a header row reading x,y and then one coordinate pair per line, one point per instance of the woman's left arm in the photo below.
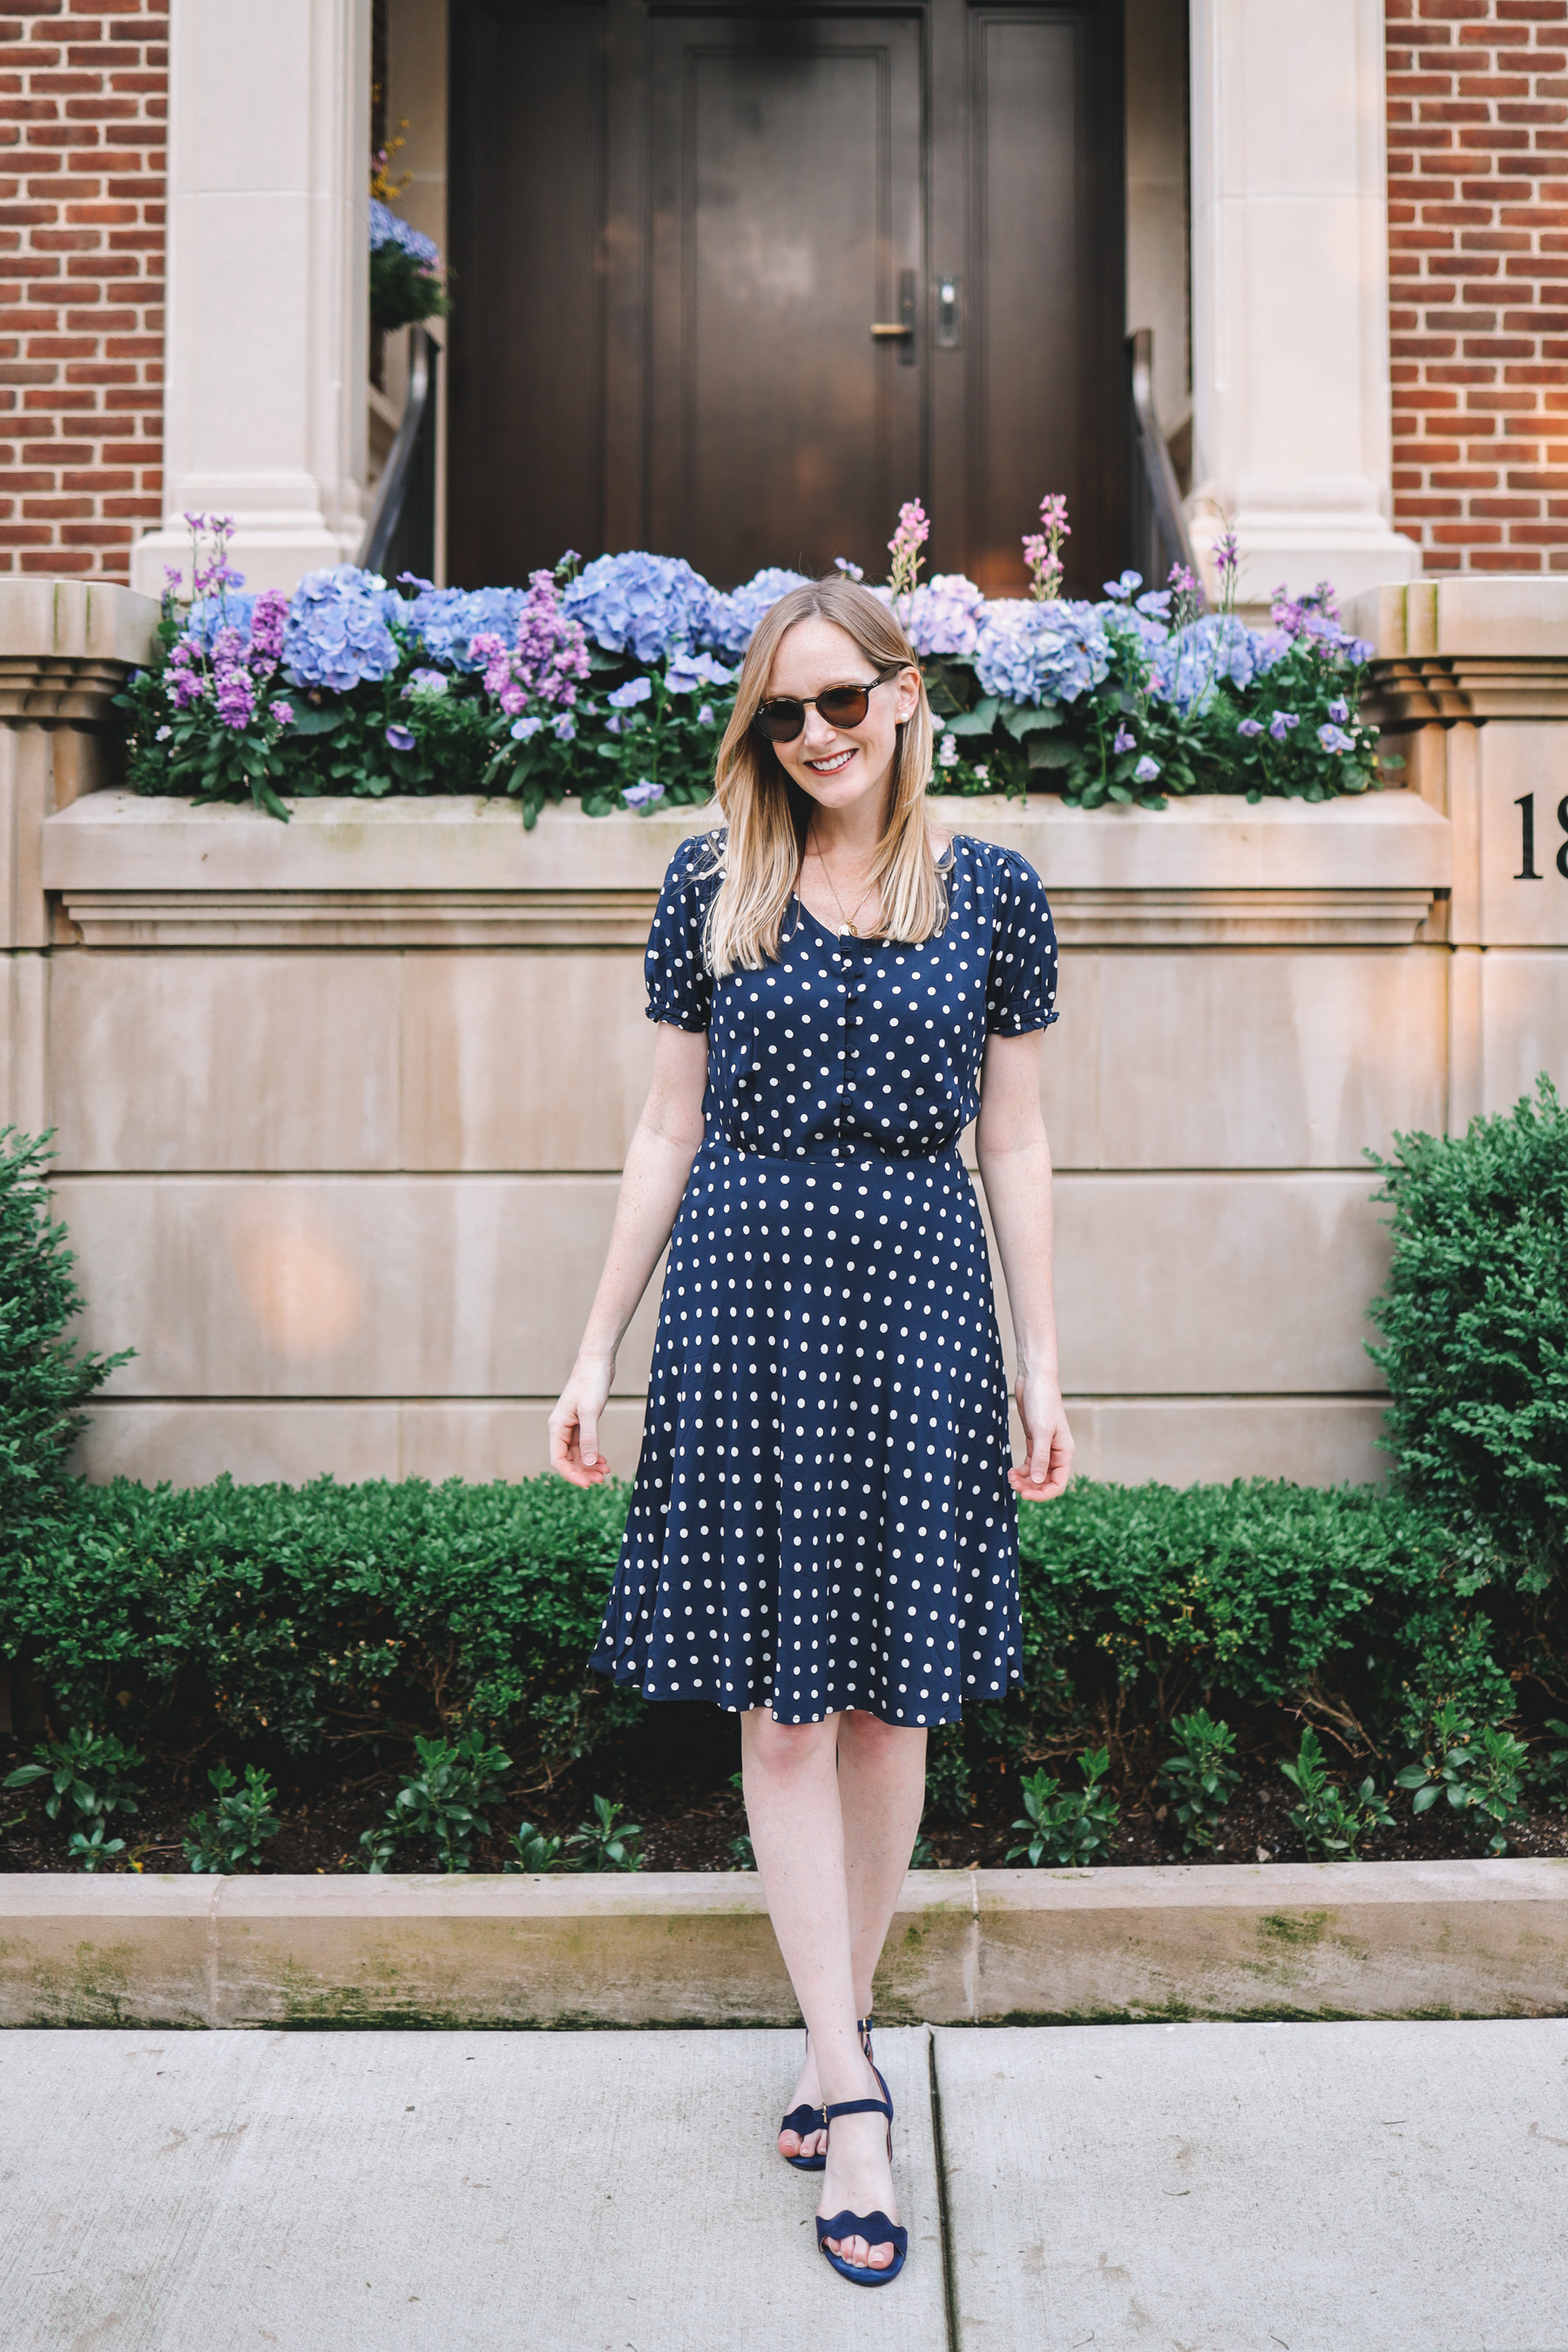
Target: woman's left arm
x,y
1016,1169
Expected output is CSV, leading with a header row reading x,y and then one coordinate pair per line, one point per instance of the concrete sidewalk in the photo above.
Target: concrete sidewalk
x,y
1360,2188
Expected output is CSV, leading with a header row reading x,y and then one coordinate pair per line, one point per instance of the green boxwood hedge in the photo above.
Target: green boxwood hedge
x,y
313,1621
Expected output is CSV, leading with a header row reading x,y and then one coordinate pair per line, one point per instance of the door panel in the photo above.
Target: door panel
x,y
525,433
786,184
673,228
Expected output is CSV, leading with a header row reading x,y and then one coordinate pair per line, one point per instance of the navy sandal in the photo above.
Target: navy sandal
x,y
803,2119
874,2228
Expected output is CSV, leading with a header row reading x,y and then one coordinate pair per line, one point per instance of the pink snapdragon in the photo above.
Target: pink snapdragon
x,y
904,547
267,626
547,662
1043,549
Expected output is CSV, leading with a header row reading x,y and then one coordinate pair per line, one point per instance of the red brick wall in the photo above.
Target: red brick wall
x,y
83,87
1478,207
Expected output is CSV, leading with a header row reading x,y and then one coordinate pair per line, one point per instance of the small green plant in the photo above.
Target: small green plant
x,y
1331,1824
1065,1829
232,1835
1199,1780
606,1843
536,1853
1550,1774
741,1848
445,1800
91,1852
921,1858
89,1773
950,1792
1481,1773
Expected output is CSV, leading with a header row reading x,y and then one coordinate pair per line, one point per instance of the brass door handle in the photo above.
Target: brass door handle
x,y
900,329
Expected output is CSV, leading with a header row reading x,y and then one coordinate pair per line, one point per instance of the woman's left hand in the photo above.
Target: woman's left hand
x,y
1047,1464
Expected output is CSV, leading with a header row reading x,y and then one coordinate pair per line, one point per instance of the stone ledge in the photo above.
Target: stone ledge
x,y
1368,1939
458,870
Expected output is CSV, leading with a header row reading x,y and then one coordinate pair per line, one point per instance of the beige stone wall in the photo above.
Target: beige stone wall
x,y
341,1105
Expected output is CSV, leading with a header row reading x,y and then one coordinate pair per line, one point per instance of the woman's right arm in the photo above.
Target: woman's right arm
x,y
657,1165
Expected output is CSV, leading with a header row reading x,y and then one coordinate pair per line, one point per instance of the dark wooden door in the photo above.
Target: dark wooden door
x,y
673,230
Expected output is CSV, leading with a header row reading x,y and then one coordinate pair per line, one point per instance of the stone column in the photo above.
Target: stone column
x,y
266,340
1290,371
66,649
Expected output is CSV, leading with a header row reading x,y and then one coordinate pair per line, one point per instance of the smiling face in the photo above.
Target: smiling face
x,y
838,765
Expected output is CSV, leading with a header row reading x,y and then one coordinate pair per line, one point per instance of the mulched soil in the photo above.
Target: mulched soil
x,y
678,1786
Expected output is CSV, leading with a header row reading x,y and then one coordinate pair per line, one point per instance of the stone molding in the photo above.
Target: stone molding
x,y
463,872
620,919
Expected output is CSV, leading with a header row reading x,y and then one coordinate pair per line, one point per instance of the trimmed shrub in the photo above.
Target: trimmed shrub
x,y
45,1382
1475,1324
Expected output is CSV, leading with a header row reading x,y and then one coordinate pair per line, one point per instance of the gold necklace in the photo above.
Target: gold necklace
x,y
847,922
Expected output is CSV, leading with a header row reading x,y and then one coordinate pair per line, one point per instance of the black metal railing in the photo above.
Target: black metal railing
x,y
1157,523
400,535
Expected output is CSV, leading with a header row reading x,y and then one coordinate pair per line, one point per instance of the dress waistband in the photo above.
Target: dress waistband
x,y
823,1152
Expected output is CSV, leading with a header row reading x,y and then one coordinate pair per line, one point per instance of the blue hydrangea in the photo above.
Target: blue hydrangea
x,y
446,620
945,614
1193,661
208,615
387,227
733,619
642,604
337,634
1041,653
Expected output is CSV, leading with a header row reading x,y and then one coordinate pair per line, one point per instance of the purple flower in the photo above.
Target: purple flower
x,y
1120,592
687,672
705,715
1182,582
1146,771
1250,727
851,570
566,728
269,619
235,697
643,793
1280,726
431,682
1334,738
523,730
627,697
284,713
944,616
641,605
1125,740
1226,554
732,620
401,737
1338,711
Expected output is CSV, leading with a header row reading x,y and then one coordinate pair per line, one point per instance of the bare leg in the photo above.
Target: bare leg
x,y
881,1794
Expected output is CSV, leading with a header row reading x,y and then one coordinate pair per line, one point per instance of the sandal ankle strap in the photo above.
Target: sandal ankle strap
x,y
859,2107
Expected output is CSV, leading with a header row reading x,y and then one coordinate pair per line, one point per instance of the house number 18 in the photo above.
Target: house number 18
x,y
1528,872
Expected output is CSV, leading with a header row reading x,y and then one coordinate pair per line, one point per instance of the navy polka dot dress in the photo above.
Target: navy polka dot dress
x,y
821,1519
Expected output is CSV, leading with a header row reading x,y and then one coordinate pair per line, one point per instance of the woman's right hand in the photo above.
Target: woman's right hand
x,y
574,1424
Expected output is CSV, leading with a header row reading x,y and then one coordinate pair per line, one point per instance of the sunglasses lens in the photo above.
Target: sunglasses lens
x,y
845,705
781,722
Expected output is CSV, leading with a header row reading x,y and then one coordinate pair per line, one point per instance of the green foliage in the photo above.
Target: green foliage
x,y
402,291
604,1841
1066,1828
1139,1601
1332,1826
949,1788
93,1852
1475,1324
89,1773
232,1836
444,1799
1199,1779
1552,1769
45,1382
536,1853
1481,1773
741,1851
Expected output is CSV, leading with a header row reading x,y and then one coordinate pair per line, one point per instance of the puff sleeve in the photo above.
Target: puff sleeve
x,y
679,984
1021,984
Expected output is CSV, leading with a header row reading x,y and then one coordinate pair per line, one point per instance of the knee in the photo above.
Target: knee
x,y
882,1743
786,1751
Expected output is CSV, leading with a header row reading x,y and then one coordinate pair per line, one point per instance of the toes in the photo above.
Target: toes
x,y
790,2144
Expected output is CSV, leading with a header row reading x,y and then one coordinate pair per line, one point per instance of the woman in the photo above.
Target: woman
x,y
821,1537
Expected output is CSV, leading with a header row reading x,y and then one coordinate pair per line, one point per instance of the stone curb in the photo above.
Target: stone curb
x,y
1399,1939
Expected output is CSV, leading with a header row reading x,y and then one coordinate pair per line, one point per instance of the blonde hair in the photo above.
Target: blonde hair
x,y
767,812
